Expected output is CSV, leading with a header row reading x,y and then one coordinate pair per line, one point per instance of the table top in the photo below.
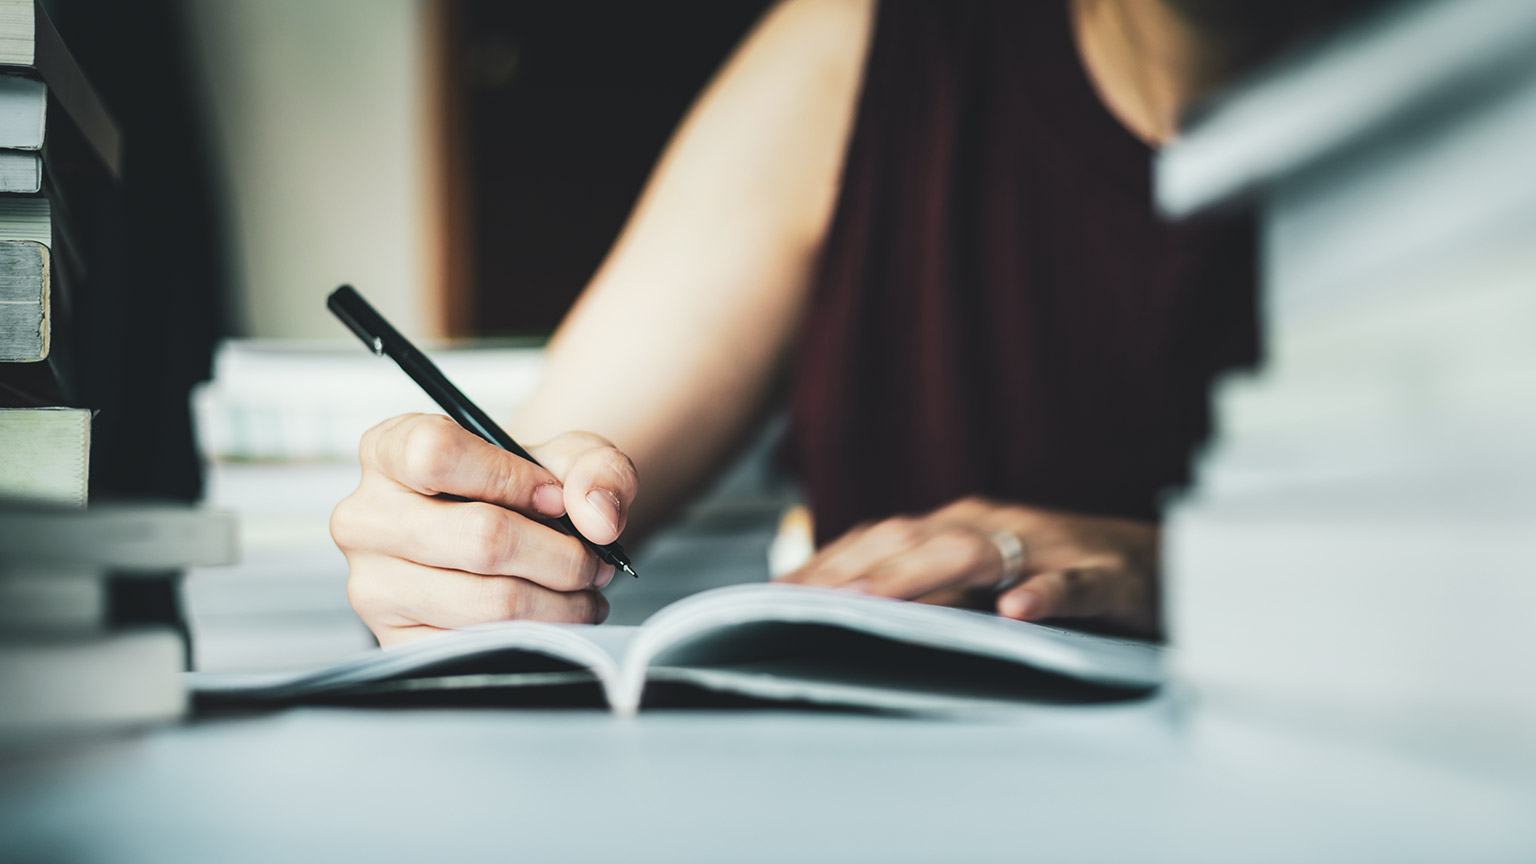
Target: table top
x,y
1160,780
1114,783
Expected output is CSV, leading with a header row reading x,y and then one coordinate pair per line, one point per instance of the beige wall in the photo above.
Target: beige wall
x,y
317,113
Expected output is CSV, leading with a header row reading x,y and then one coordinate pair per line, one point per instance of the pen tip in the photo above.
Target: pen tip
x,y
631,571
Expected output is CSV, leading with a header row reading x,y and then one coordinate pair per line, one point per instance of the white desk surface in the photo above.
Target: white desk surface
x,y
438,785
1141,782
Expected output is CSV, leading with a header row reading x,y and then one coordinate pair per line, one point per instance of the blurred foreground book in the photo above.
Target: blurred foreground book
x,y
84,642
1356,558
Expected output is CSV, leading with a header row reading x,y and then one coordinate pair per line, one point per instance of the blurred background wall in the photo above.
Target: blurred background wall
x,y
466,163
317,117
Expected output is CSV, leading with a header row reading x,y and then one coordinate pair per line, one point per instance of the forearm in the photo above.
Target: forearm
x,y
675,348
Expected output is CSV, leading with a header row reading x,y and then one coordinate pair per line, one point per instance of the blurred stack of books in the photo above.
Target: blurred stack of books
x,y
89,630
79,649
293,400
1356,558
60,162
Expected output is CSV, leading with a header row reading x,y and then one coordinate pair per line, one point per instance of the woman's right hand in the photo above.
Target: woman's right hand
x,y
421,560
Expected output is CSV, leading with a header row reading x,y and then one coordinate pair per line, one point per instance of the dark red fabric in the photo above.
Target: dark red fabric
x,y
997,310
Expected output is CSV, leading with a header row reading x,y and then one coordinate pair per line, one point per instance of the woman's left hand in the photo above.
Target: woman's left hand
x,y
1072,566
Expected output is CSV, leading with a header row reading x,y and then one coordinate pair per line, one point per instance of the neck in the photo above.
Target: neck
x,y
1147,62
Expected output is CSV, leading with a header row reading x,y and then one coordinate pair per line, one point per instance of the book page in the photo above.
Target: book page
x,y
828,645
506,654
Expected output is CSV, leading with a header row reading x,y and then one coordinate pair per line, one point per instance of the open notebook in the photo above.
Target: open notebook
x,y
763,642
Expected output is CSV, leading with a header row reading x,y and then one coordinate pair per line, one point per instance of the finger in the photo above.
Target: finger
x,y
980,599
432,455
391,593
470,536
843,562
804,571
391,636
954,557
600,483
1077,592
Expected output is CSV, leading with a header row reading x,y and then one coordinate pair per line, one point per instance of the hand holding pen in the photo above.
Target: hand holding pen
x,y
502,545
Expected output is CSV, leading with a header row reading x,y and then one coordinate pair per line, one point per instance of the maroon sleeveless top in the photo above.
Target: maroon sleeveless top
x,y
997,311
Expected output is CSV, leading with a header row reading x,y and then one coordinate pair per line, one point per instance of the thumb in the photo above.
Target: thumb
x,y
600,482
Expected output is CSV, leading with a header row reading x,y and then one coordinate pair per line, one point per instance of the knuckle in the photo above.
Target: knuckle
x,y
619,464
343,523
898,531
428,450
508,476
503,599
578,567
985,553
368,445
1076,585
366,596
487,536
375,439
968,550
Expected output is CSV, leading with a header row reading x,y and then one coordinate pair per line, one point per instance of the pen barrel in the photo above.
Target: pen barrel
x,y
455,404
383,339
468,414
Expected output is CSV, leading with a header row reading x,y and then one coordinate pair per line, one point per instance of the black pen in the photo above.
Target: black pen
x,y
385,341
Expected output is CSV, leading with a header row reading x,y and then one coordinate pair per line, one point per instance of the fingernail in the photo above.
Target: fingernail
x,y
549,499
604,575
602,610
857,586
607,505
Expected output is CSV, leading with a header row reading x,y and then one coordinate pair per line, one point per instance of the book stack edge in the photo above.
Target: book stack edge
x,y
90,633
77,650
1355,558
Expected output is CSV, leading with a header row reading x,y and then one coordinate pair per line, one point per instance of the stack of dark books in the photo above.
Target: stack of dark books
x,y
89,632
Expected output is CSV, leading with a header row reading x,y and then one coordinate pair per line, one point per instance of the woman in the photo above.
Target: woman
x,y
932,222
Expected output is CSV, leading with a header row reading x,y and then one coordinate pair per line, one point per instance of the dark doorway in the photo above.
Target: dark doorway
x,y
562,109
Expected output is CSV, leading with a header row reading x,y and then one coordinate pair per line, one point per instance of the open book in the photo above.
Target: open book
x,y
778,643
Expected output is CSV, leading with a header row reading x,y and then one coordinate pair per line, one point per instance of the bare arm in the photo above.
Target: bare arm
x,y
674,348
671,353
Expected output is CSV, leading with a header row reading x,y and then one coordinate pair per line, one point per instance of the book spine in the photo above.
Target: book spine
x,y
76,95
25,326
126,539
23,112
21,173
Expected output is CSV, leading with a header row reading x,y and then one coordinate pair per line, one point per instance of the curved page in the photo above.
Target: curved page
x,y
594,651
758,635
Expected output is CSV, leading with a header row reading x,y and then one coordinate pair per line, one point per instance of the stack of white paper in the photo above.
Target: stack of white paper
x,y
1357,555
286,400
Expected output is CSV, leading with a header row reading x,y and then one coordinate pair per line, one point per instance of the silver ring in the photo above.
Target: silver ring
x,y
1011,547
